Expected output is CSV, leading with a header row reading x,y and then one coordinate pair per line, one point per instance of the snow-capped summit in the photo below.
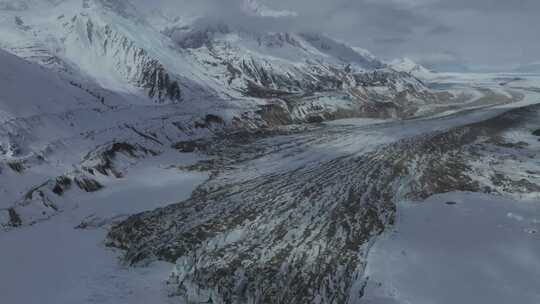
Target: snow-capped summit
x,y
407,65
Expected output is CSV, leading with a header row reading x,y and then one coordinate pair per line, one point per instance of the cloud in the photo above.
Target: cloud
x,y
255,8
484,32
487,5
389,41
479,31
440,29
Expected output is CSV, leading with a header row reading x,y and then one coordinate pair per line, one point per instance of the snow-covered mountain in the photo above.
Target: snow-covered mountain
x,y
167,60
407,65
113,107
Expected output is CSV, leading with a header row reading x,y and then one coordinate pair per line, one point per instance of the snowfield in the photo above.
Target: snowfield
x,y
458,248
64,260
29,90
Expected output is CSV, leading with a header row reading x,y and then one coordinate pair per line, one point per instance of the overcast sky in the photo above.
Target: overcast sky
x,y
477,33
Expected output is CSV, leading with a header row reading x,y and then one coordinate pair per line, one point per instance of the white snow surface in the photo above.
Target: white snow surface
x,y
409,66
29,89
482,249
52,262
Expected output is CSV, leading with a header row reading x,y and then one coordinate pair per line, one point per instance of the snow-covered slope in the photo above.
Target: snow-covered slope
x,y
280,62
29,89
100,40
59,135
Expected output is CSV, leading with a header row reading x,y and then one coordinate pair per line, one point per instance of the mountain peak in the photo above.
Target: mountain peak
x,y
408,65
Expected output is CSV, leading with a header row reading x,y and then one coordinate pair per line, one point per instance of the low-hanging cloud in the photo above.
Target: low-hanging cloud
x,y
483,32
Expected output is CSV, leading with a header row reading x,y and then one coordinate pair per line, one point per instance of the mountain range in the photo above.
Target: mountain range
x,y
274,157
